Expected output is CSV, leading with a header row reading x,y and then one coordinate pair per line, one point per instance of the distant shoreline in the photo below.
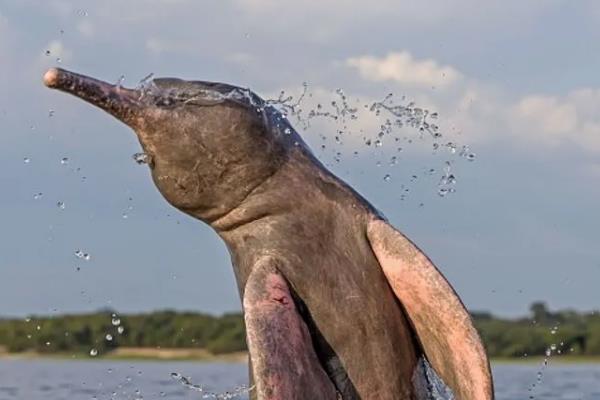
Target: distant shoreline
x,y
135,353
202,355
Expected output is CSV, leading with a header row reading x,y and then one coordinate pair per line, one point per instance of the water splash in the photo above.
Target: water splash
x,y
407,115
236,392
550,351
119,83
447,182
428,385
396,115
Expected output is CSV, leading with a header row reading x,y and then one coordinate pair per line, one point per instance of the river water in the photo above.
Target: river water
x,y
102,379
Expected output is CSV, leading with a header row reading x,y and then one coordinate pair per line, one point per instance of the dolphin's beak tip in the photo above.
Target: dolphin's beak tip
x,y
51,77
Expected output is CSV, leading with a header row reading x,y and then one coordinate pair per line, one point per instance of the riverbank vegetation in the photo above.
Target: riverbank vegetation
x,y
107,333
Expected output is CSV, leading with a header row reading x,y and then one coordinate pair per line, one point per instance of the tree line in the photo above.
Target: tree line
x,y
541,332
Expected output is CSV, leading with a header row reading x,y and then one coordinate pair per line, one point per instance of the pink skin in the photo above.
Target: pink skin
x,y
284,362
120,102
439,318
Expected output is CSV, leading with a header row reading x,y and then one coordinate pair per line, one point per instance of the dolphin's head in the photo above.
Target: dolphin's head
x,y
208,145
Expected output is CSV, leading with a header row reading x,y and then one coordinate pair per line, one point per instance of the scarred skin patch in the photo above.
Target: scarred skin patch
x,y
284,362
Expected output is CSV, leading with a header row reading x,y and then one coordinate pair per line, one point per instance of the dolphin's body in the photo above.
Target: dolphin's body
x,y
337,303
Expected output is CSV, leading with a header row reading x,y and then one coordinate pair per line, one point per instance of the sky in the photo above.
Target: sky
x,y
517,82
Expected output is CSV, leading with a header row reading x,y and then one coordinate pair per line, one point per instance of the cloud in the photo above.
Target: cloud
x,y
547,114
402,67
556,120
482,112
351,15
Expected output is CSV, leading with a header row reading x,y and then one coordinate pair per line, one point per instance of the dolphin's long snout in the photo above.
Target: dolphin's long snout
x,y
120,102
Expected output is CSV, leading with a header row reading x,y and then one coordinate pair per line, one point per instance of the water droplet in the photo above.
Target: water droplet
x,y
50,113
120,329
26,160
120,81
81,255
38,195
451,147
108,337
387,178
58,60
116,321
141,158
287,131
64,160
60,205
48,53
93,352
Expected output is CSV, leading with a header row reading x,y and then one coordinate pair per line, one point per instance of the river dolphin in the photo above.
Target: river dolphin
x,y
338,304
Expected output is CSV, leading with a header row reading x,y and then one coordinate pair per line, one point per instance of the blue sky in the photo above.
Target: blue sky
x,y
516,82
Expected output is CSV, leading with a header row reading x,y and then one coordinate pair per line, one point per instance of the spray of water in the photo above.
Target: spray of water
x,y
395,121
232,394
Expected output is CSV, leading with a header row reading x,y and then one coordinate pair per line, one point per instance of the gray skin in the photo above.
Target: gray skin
x,y
237,165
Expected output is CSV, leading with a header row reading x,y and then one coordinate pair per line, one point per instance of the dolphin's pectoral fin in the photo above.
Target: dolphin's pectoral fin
x,y
440,321
284,363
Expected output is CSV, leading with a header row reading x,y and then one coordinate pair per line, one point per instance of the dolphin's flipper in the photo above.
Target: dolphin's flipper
x,y
284,363
441,322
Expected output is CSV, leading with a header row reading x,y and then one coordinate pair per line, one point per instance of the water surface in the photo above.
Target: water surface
x,y
103,379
